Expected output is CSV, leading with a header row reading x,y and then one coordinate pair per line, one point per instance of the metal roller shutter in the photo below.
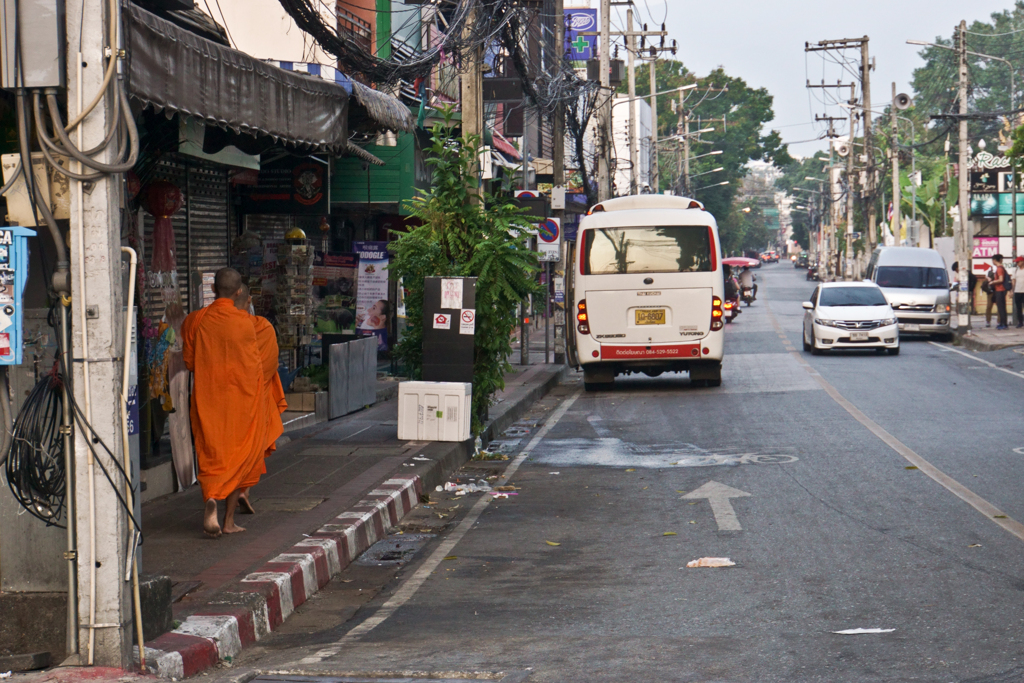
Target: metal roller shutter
x,y
209,233
172,169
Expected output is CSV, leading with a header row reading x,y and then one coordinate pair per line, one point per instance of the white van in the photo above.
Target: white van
x,y
915,284
647,289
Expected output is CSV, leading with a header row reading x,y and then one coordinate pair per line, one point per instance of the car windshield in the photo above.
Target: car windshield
x,y
671,249
851,296
912,277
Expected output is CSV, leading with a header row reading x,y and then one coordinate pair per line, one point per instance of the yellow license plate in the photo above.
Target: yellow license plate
x,y
650,316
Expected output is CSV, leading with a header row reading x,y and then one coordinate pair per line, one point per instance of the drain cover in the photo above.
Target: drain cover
x,y
394,550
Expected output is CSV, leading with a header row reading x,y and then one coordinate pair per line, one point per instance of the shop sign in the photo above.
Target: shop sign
x,y
291,186
334,292
372,305
984,181
985,247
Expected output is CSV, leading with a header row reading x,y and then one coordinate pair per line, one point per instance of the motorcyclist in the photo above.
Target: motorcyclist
x,y
731,291
747,280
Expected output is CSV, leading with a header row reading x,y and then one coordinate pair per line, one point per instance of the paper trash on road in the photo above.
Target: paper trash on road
x,y
462,489
711,562
6,675
859,631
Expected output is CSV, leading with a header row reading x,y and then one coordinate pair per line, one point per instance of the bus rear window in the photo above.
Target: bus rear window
x,y
670,249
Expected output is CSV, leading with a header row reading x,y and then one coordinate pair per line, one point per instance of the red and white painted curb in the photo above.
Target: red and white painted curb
x,y
260,602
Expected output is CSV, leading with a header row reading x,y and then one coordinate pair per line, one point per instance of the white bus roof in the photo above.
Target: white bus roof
x,y
648,201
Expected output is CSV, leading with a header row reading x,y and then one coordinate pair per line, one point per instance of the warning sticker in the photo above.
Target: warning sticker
x,y
467,321
442,321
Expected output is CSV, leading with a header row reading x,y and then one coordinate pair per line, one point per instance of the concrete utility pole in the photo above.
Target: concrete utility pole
x,y
895,227
686,147
963,239
869,189
105,635
558,173
604,111
472,94
655,166
631,61
849,272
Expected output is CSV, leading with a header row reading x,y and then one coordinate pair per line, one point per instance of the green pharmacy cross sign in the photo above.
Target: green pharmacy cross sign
x,y
580,44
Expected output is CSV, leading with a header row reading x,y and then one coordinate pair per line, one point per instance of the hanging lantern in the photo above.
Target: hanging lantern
x,y
163,199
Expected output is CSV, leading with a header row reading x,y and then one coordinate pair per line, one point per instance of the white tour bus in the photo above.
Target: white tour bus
x,y
647,289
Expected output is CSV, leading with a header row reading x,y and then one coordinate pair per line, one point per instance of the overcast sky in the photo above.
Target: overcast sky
x,y
762,42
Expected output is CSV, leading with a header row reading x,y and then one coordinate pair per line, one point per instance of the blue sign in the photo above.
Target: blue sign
x,y
548,231
577,20
13,275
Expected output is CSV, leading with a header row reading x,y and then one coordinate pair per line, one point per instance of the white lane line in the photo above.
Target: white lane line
x,y
986,508
409,588
976,358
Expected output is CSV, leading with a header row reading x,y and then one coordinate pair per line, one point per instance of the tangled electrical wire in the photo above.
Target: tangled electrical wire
x,y
460,35
35,464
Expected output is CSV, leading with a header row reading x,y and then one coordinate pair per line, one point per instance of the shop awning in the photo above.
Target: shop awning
x,y
174,70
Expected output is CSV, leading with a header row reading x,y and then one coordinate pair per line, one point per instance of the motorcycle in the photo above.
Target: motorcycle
x,y
812,272
747,295
732,301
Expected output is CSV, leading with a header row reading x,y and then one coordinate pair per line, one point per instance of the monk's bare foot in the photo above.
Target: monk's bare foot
x,y
233,528
244,506
211,527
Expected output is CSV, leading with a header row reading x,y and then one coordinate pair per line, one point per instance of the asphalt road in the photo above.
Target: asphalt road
x,y
870,492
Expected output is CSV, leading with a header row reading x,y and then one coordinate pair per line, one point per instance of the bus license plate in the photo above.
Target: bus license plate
x,y
858,336
650,316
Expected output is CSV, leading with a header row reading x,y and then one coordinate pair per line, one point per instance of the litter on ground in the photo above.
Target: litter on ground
x,y
711,562
859,631
462,489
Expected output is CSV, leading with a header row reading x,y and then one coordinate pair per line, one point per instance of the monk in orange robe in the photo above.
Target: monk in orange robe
x,y
229,402
266,340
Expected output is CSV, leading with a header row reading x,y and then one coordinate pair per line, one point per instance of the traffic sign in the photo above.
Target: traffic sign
x,y
549,230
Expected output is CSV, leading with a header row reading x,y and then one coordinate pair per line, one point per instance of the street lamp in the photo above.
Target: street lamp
x,y
1013,93
714,170
706,187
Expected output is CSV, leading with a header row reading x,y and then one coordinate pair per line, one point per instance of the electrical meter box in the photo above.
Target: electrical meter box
x,y
13,275
434,411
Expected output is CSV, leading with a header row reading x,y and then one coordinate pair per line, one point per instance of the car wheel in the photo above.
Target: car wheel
x,y
807,347
895,351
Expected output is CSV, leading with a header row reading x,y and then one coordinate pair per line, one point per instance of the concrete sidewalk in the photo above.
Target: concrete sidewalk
x,y
984,338
331,490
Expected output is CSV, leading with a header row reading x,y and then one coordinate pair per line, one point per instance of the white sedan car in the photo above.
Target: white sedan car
x,y
849,315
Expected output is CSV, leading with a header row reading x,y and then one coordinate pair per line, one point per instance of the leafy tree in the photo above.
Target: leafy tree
x,y
458,238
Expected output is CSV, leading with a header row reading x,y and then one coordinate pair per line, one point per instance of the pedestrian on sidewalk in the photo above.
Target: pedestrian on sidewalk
x,y
1018,291
1000,284
266,339
229,413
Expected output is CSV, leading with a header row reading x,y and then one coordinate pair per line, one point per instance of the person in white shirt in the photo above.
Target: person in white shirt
x,y
1018,291
747,280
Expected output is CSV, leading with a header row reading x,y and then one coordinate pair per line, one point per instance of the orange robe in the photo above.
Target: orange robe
x,y
266,339
229,397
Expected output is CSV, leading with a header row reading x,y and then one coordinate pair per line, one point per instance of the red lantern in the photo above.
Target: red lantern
x,y
163,199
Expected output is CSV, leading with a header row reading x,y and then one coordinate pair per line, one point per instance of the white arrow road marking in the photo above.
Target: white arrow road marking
x,y
718,495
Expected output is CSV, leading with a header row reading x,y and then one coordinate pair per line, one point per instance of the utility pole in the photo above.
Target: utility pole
x,y
686,147
472,94
105,638
604,111
963,239
869,156
849,271
655,165
895,172
631,75
558,166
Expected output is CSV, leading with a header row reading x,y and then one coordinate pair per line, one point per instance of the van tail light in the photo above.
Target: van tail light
x,y
595,208
583,322
716,313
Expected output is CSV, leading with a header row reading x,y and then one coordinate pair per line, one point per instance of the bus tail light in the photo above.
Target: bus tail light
x,y
581,317
716,313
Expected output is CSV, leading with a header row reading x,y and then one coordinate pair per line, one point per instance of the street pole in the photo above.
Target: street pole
x,y
103,526
656,167
848,272
686,147
869,191
472,96
963,238
894,150
631,62
604,112
558,158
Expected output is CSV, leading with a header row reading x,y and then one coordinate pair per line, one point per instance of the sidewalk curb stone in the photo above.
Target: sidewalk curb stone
x,y
250,608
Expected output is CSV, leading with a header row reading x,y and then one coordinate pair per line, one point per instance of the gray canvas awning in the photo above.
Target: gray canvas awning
x,y
172,69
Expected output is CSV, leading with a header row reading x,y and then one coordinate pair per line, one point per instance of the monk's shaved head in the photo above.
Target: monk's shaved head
x,y
242,302
227,283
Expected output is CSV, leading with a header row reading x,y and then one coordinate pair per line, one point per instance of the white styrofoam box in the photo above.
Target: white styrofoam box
x,y
434,411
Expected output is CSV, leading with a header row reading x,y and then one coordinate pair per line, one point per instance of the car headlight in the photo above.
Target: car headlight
x,y
826,323
887,321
